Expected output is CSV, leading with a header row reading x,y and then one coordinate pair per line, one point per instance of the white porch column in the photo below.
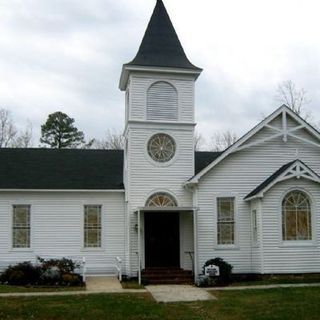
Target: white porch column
x,y
139,246
195,243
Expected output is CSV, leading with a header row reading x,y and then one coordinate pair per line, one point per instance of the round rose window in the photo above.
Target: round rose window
x,y
161,147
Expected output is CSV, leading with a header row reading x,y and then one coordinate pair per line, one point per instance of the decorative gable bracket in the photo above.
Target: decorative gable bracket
x,y
296,169
285,131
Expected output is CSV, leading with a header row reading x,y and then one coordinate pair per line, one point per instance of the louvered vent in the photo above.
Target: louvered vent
x,y
162,102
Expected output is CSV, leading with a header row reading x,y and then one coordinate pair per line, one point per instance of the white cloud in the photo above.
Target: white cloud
x,y
67,55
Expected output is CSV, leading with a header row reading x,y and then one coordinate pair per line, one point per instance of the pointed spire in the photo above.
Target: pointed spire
x,y
160,46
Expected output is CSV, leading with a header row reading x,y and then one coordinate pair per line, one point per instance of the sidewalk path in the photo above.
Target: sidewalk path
x,y
178,293
267,286
94,285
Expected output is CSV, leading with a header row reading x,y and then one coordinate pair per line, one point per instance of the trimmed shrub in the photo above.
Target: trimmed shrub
x,y
63,265
23,273
45,272
225,270
50,276
72,279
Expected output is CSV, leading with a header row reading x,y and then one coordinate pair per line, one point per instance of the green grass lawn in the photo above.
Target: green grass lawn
x,y
131,285
282,279
291,303
12,289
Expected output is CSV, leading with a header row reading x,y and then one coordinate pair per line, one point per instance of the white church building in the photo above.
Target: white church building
x,y
158,204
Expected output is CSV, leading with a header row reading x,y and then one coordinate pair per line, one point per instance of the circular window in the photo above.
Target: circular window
x,y
161,147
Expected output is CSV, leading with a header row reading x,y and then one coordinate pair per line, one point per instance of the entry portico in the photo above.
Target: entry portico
x,y
163,234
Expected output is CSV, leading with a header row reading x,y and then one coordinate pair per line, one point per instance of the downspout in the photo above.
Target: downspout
x,y
139,248
195,232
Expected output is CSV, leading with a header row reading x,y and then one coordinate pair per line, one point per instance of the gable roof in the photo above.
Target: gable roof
x,y
293,169
203,159
284,132
69,169
161,46
56,169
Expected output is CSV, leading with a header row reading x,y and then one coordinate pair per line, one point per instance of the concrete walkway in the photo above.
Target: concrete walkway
x,y
267,286
178,293
94,285
161,293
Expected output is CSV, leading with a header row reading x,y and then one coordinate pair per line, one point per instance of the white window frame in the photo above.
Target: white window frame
x,y
84,247
175,86
297,243
176,139
254,227
235,223
29,247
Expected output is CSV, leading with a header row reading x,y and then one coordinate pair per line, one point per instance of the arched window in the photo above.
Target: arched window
x,y
161,199
296,216
162,102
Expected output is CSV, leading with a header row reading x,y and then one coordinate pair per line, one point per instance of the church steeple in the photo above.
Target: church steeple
x,y
161,46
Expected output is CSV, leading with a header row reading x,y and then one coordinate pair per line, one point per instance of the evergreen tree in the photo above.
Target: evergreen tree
x,y
59,132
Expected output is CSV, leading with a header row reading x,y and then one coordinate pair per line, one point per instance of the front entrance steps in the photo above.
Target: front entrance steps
x,y
166,275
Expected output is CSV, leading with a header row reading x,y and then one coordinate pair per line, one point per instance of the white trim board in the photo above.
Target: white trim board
x,y
285,132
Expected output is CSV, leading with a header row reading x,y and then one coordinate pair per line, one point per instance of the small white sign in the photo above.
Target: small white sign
x,y
212,271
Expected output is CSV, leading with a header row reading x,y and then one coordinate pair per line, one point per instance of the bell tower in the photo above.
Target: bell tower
x,y
159,123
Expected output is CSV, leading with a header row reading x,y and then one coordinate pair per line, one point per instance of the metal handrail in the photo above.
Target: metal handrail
x,y
119,267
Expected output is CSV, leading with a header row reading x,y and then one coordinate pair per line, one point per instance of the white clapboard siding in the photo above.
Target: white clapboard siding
x,y
167,98
147,177
288,257
162,102
237,175
57,227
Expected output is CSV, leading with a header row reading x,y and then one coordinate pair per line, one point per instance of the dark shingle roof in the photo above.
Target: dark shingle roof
x,y
203,159
266,182
61,169
160,46
69,169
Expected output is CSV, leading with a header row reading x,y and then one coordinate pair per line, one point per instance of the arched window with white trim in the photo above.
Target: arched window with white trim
x,y
296,216
162,102
161,199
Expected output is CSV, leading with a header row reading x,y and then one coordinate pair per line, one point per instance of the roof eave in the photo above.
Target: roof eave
x,y
127,68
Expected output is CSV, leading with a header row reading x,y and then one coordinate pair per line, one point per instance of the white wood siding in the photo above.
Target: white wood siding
x,y
237,175
290,256
146,177
57,227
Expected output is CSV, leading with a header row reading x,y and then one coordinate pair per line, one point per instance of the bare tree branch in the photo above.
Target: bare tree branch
x,y
25,138
112,140
8,130
296,99
222,140
199,141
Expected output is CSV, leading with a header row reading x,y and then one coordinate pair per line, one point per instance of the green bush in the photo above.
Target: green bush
x,y
64,265
23,273
72,279
225,270
45,272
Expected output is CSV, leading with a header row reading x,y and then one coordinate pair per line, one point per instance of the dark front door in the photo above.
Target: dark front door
x,y
162,243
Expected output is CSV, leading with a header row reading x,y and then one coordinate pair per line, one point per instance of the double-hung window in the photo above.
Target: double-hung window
x,y
21,226
92,226
226,221
254,227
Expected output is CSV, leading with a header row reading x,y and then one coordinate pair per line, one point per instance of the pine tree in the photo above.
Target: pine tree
x,y
59,132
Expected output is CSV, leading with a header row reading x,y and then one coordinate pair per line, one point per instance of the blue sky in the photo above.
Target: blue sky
x,y
67,55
